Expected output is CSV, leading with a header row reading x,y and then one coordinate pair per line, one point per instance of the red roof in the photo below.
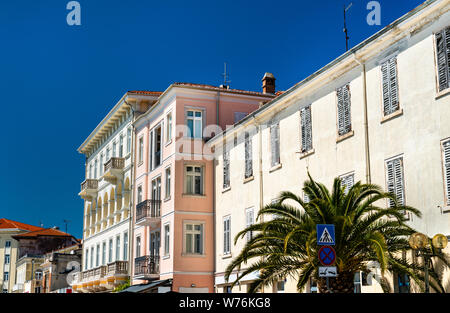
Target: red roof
x,y
145,92
211,87
43,232
8,224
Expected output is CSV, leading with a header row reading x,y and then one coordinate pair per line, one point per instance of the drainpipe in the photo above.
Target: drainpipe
x,y
131,217
366,123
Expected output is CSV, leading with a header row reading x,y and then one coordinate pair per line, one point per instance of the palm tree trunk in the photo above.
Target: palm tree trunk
x,y
341,284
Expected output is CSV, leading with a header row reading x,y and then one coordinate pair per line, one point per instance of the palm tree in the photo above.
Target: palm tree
x,y
285,246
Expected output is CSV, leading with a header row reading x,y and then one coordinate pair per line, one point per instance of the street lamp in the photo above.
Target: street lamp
x,y
420,242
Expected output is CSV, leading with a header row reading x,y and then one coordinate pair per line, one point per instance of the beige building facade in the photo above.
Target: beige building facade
x,y
377,114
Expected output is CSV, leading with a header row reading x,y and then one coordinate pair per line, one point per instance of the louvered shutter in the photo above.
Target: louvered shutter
x,y
226,168
344,118
443,58
306,198
306,128
390,86
395,181
347,182
226,232
249,222
447,169
275,144
248,156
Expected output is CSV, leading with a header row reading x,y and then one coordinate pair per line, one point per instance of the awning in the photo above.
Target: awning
x,y
146,288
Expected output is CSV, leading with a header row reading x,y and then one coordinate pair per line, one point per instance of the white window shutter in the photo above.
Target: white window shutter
x,y
248,156
390,86
226,168
394,84
275,143
344,117
446,147
306,128
395,179
443,58
390,180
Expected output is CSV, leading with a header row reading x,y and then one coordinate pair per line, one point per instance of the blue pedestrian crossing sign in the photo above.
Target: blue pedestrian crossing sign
x,y
325,234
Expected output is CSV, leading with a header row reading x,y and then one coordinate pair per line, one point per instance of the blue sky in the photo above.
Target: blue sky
x,y
57,82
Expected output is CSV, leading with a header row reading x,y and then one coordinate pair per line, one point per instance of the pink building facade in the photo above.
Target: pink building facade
x,y
173,220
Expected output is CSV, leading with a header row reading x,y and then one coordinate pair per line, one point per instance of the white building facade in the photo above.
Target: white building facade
x,y
378,114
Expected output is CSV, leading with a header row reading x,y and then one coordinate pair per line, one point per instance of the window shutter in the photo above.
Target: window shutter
x,y
447,169
344,117
443,58
248,156
306,128
390,86
396,180
226,168
348,182
275,144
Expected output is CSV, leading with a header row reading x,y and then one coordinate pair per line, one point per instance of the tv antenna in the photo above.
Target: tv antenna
x,y
225,76
345,25
66,222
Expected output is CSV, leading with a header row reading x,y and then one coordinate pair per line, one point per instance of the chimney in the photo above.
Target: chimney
x,y
268,83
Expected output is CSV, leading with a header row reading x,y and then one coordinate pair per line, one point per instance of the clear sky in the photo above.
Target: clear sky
x,y
57,82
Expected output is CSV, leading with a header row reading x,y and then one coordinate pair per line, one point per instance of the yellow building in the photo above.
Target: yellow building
x,y
9,251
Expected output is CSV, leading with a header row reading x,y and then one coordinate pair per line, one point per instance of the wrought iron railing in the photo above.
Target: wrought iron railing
x,y
148,208
146,265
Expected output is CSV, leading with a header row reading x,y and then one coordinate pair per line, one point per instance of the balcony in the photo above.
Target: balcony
x,y
89,189
17,288
101,279
113,170
146,267
148,213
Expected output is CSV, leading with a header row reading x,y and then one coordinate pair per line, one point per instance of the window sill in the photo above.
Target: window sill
x,y
345,136
189,255
167,199
227,256
443,93
168,143
445,209
275,167
306,154
140,163
188,195
248,179
392,116
226,189
165,257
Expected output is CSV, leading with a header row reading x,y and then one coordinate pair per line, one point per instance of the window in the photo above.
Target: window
x,y
139,194
250,220
395,180
110,255
226,235
7,244
107,154
169,127
443,58
101,164
343,110
7,259
446,159
275,144
125,246
306,128
194,180
97,256
166,239
86,259
141,150
194,124
227,289
95,169
92,257
156,189
167,187
281,286
390,86
248,156
226,168
90,171
38,275
193,234
357,282
156,147
306,197
104,253
312,285
347,181
138,246
6,276
118,248
114,149
403,283
239,116
121,146
128,140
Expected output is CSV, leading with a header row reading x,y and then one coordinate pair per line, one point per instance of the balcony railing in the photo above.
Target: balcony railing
x,y
148,208
118,267
89,184
115,164
146,265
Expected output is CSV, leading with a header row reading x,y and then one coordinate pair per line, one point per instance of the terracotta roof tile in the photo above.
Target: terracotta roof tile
x,y
145,92
211,87
6,224
44,232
